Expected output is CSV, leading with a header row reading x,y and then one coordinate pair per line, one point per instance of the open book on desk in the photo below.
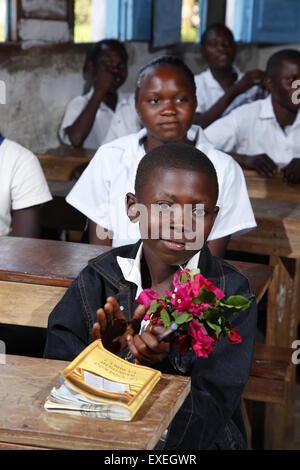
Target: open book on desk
x,y
100,384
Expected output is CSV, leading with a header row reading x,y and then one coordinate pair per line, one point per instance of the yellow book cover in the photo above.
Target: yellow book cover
x,y
102,384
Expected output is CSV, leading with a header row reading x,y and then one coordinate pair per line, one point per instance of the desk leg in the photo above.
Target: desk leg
x,y
282,322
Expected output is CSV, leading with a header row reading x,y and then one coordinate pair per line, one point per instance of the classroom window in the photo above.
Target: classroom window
x,y
3,6
190,20
82,21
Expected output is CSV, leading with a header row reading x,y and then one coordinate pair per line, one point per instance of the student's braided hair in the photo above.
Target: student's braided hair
x,y
164,60
169,156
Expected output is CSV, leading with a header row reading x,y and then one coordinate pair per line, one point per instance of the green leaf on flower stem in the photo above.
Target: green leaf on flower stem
x,y
183,317
153,307
215,327
165,318
238,301
206,296
193,273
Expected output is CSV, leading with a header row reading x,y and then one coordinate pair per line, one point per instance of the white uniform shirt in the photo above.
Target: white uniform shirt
x,y
22,182
101,190
209,91
253,129
108,125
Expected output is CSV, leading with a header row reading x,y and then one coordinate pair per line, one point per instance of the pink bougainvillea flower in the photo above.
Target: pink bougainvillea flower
x,y
202,344
234,336
182,298
146,297
200,281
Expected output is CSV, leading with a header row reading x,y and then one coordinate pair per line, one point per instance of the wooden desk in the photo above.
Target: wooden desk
x,y
278,235
24,386
34,275
60,163
271,188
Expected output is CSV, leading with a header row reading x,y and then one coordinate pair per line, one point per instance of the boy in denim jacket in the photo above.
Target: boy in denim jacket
x,y
101,302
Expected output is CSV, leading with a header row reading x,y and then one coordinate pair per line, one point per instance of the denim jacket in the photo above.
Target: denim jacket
x,y
210,417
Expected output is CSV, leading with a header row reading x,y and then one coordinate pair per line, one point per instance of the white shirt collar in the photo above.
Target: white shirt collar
x,y
131,268
267,111
213,83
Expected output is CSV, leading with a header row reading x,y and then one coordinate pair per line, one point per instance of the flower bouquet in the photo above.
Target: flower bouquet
x,y
196,309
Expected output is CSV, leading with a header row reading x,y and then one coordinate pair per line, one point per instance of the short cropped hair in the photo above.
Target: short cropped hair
x,y
169,156
213,27
95,50
164,60
276,59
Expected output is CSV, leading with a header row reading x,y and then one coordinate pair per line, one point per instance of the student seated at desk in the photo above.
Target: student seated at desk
x,y
265,135
23,188
165,102
102,300
222,87
103,114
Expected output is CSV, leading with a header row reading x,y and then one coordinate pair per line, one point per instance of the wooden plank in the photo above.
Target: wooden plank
x,y
62,162
28,304
271,188
25,384
44,262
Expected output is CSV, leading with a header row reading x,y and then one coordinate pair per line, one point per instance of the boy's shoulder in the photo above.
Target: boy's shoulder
x,y
235,282
127,144
14,152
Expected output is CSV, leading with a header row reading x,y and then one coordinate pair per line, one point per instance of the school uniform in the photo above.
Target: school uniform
x,y
22,182
101,190
108,124
212,410
209,91
253,129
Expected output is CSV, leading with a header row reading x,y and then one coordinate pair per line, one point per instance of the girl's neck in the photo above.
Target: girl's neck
x,y
111,99
225,76
284,116
151,142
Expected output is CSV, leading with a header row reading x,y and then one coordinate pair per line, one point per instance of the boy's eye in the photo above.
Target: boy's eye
x,y
180,99
164,206
154,100
199,212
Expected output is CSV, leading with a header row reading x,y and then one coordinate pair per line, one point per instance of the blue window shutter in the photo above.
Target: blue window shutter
x,y
166,22
112,27
138,20
267,21
203,17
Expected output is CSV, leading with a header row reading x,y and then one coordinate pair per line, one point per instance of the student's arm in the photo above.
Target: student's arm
x,y
82,126
292,171
262,163
250,79
218,247
94,238
26,222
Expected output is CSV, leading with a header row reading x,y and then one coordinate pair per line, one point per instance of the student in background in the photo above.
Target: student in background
x,y
101,302
103,114
23,189
222,87
165,102
265,135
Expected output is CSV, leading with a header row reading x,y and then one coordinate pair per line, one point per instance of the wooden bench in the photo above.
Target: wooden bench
x,y
61,163
271,188
34,275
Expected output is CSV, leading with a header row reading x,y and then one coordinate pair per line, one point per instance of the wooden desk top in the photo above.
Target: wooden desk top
x,y
60,163
44,262
24,386
271,188
57,263
277,232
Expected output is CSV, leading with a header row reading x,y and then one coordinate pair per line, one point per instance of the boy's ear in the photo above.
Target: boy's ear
x,y
268,84
131,208
216,211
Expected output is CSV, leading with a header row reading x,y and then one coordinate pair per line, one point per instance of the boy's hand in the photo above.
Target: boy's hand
x,y
146,348
104,79
292,171
110,325
251,78
262,163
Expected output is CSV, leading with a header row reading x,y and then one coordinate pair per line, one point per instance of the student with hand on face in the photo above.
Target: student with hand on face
x,y
265,135
103,114
23,188
222,87
101,302
166,103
